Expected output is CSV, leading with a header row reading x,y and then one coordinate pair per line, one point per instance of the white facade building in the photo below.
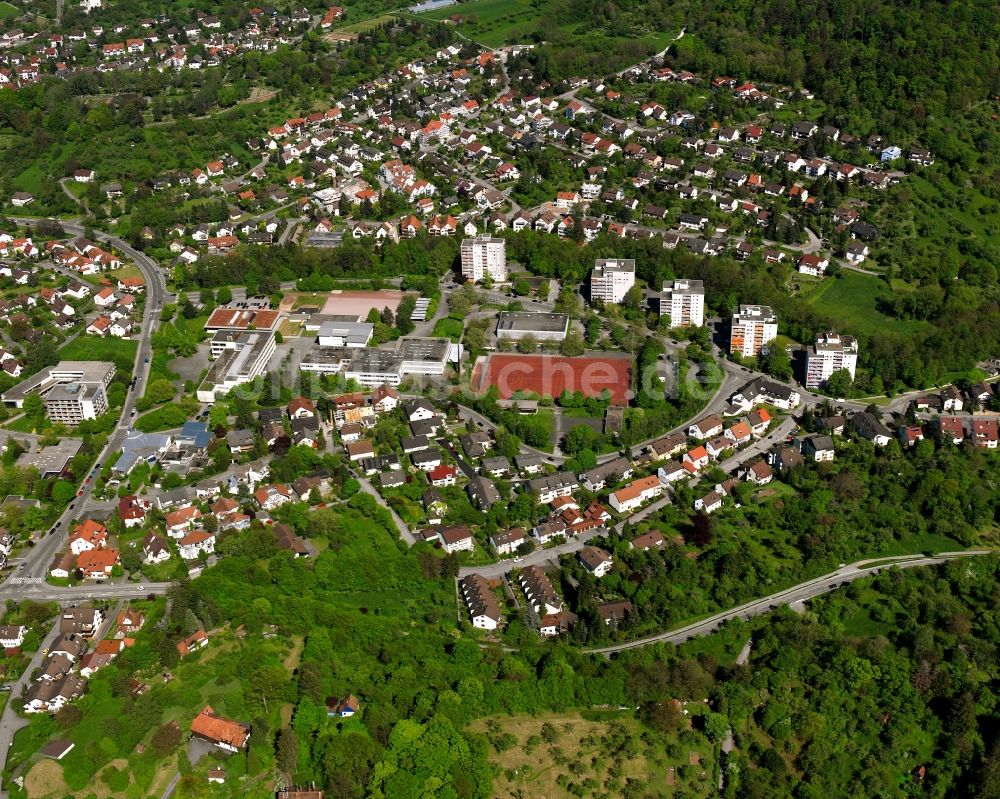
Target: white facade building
x,y
684,302
831,353
484,257
611,280
753,327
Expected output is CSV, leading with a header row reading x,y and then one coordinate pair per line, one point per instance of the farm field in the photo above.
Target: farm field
x,y
365,24
852,298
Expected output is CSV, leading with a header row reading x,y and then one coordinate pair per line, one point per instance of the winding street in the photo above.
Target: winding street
x,y
794,595
28,582
37,559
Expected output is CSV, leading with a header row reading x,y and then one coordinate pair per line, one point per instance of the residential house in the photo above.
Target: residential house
x,y
595,560
458,538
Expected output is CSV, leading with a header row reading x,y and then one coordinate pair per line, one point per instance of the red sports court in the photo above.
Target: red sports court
x,y
550,375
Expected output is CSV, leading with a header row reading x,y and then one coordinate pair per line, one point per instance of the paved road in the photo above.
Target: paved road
x,y
759,447
39,591
10,721
40,556
539,557
404,529
799,593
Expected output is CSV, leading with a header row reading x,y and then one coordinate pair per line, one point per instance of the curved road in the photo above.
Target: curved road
x,y
39,557
799,593
28,582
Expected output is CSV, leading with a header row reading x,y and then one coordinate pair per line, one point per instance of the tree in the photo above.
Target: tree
x,y
839,383
160,390
167,737
573,345
224,295
716,726
34,407
287,750
777,362
527,344
62,493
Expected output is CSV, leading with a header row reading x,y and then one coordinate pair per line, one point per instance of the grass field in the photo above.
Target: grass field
x,y
30,179
496,22
596,748
7,11
449,328
120,351
365,24
130,270
493,22
851,300
44,779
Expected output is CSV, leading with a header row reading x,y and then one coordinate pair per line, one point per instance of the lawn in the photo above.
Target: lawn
x,y
449,328
365,25
22,424
851,301
7,11
120,351
493,22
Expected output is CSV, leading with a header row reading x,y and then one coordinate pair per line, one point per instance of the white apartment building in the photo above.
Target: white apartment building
x,y
611,280
831,353
753,327
484,257
71,390
242,357
684,302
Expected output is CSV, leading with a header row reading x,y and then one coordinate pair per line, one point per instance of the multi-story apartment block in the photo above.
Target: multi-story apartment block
x,y
753,327
71,390
484,257
611,280
684,302
831,353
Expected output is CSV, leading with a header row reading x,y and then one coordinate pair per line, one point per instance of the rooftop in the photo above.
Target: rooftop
x,y
524,322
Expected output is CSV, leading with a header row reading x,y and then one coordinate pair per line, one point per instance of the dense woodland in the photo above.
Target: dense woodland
x,y
893,673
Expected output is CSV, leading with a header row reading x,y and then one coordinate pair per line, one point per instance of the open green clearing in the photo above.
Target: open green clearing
x,y
852,298
120,351
448,327
552,755
364,25
496,22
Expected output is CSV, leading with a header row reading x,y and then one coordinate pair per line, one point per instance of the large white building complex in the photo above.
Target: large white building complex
x,y
240,357
345,334
831,353
684,302
611,279
484,257
753,327
412,356
71,390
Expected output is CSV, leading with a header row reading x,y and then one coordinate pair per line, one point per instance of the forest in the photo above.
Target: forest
x,y
894,673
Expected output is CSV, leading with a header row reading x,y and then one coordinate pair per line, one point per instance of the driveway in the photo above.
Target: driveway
x,y
404,530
